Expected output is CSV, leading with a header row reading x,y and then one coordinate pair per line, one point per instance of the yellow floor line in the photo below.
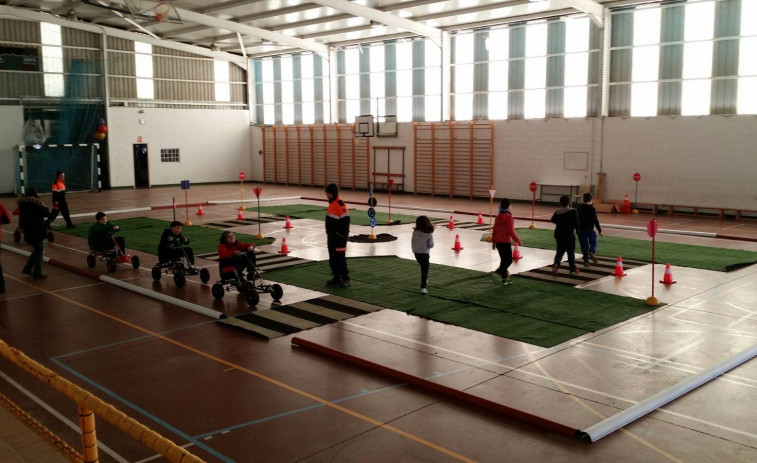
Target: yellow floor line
x,y
261,376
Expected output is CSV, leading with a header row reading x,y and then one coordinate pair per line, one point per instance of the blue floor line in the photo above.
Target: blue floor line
x,y
144,412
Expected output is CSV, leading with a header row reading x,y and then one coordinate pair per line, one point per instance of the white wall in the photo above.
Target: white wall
x,y
214,144
11,134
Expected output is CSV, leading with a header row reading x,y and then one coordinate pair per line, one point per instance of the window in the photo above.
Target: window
x,y
143,62
52,59
576,67
169,155
535,95
697,58
747,86
498,46
221,76
463,75
645,62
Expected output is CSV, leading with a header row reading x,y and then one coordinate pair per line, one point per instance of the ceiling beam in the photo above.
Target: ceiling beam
x,y
387,19
28,15
193,17
590,7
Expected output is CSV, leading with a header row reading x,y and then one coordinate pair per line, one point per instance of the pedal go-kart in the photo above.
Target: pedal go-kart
x,y
179,268
112,257
249,285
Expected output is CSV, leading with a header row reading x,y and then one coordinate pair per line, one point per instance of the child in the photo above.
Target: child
x,y
5,218
100,235
31,218
587,238
58,189
566,222
171,247
230,255
421,243
502,235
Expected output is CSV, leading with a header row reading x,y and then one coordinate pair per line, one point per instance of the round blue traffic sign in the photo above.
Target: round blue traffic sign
x,y
371,212
373,222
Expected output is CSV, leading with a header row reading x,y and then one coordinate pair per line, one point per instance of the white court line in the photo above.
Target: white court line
x,y
564,383
63,419
156,456
76,287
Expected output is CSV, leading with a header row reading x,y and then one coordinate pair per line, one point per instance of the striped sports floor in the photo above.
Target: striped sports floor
x,y
264,218
265,260
280,321
605,267
467,225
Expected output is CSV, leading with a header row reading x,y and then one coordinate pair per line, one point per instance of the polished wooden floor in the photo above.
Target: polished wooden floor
x,y
228,395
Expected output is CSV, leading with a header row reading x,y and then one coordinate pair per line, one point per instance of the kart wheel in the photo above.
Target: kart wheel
x,y
252,298
135,262
179,279
156,273
204,275
217,291
50,237
111,265
16,235
91,261
276,292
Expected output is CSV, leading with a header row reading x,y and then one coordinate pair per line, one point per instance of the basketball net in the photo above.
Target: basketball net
x,y
161,11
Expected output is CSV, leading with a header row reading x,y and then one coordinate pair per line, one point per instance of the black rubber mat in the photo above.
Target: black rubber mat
x,y
265,260
604,267
442,223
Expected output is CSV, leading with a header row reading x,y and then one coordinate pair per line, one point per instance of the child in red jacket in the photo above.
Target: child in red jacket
x,y
231,252
502,236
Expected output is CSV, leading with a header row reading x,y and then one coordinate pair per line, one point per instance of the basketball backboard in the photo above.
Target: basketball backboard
x,y
364,126
154,11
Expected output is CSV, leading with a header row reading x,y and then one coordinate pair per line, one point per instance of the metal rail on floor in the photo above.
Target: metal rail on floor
x,y
90,405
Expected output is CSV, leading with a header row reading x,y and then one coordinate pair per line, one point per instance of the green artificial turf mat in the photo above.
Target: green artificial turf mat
x,y
681,255
535,312
357,216
143,234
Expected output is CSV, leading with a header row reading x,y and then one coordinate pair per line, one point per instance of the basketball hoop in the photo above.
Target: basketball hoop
x,y
161,11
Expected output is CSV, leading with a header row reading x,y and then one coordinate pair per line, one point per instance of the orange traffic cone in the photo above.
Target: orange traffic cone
x,y
619,268
239,214
451,224
626,207
200,211
284,248
516,253
668,278
288,224
457,247
480,220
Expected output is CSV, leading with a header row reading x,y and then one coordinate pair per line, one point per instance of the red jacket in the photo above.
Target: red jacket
x,y
226,254
504,229
5,218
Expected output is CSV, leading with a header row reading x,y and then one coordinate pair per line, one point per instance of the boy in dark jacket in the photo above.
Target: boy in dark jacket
x,y
587,238
566,223
31,217
337,232
100,237
171,244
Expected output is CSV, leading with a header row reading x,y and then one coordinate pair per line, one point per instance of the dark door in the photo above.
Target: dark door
x,y
141,172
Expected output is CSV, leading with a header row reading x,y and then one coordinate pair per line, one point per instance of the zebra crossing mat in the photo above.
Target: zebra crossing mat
x,y
604,267
293,318
466,225
380,238
222,225
265,260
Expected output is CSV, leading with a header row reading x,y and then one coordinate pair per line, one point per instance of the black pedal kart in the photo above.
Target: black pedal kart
x,y
179,269
250,285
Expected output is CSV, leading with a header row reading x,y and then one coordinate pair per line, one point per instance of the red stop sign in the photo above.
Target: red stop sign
x,y
532,186
652,228
242,176
636,177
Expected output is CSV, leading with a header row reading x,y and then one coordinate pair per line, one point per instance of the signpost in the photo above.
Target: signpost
x,y
652,231
492,192
242,176
258,191
390,182
636,178
532,186
372,212
185,187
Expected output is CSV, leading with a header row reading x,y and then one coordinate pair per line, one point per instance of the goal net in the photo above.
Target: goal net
x,y
36,166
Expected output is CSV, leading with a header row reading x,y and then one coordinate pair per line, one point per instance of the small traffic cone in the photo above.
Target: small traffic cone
x,y
457,247
668,278
284,248
626,207
288,224
200,211
516,253
480,220
619,268
239,214
451,224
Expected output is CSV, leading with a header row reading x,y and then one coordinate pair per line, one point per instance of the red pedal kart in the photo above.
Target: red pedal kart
x,y
112,257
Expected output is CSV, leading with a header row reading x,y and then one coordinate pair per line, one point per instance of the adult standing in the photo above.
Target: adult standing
x,y
59,200
5,218
32,214
337,232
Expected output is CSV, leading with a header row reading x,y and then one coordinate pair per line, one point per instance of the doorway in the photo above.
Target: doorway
x,y
141,171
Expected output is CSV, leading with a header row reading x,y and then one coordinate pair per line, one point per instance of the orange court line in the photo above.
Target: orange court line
x,y
256,374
